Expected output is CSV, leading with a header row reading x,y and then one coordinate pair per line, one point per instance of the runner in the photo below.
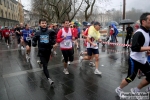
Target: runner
x,y
85,35
75,30
22,41
46,40
138,59
18,35
92,47
6,35
65,37
26,39
56,29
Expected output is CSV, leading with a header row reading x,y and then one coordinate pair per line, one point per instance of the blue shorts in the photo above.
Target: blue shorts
x,y
91,51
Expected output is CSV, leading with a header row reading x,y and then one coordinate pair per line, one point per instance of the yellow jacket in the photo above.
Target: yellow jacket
x,y
92,32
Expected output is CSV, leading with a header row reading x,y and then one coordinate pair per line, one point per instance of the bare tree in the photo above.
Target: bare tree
x,y
41,7
89,8
57,10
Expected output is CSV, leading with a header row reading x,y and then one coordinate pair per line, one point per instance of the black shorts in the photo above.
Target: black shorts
x,y
78,35
68,55
28,43
91,51
133,69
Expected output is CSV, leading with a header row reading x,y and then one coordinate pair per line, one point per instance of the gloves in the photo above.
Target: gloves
x,y
34,44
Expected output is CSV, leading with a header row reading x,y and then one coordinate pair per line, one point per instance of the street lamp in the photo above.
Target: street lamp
x,y
124,9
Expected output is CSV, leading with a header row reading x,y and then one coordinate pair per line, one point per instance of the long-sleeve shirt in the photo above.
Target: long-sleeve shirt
x,y
6,33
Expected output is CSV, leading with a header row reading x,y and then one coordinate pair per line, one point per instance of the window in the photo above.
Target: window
x,y
12,16
2,13
9,16
6,14
13,8
8,4
5,3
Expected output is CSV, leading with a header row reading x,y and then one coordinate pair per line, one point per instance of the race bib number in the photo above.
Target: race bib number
x,y
7,33
28,38
67,43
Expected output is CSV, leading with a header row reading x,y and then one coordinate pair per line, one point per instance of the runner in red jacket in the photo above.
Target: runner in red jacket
x,y
6,35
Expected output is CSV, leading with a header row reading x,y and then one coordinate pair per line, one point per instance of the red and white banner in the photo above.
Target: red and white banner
x,y
118,44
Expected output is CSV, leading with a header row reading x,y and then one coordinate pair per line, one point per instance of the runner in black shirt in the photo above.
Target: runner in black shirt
x,y
18,34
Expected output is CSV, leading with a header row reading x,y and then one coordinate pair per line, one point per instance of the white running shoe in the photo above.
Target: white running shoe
x,y
22,48
50,81
27,57
92,64
81,53
120,93
140,75
97,72
18,45
80,59
66,71
68,62
38,61
55,53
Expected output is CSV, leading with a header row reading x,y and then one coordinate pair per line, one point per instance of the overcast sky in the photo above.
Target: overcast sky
x,y
138,4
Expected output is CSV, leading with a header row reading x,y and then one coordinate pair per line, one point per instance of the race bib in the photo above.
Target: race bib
x,y
44,38
67,43
28,38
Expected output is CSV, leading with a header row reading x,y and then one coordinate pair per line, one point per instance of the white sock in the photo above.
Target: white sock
x,y
119,88
136,89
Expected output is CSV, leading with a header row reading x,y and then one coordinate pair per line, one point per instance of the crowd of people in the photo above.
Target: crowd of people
x,y
67,37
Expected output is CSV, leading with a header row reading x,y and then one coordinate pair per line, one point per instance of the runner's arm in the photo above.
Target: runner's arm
x,y
89,40
34,40
59,37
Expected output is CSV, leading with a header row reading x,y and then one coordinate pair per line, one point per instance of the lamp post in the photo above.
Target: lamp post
x,y
124,10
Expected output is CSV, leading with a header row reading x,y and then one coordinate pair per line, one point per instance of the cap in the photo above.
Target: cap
x,y
97,23
88,24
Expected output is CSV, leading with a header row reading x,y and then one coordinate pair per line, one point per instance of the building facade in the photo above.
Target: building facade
x,y
31,18
10,12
